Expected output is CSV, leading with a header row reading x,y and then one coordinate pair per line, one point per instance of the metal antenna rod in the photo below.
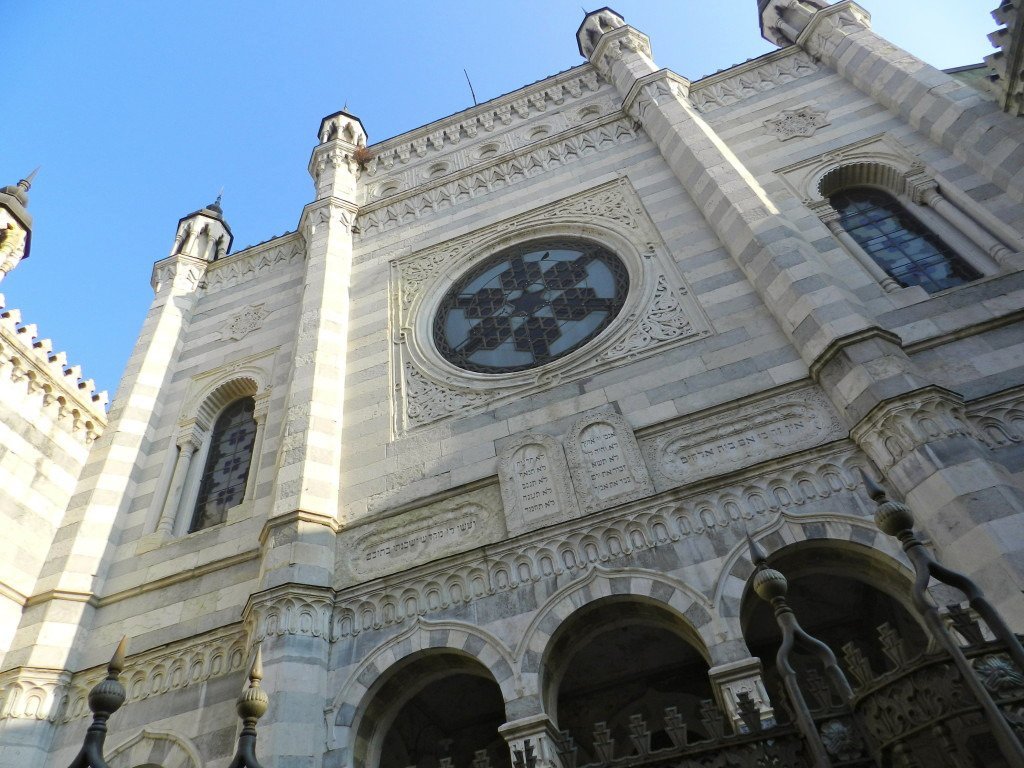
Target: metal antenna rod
x,y
471,91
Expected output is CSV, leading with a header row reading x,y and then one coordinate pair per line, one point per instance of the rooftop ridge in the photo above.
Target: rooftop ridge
x,y
24,357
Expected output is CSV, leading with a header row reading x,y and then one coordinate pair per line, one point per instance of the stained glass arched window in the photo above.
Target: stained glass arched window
x,y
227,464
530,304
899,244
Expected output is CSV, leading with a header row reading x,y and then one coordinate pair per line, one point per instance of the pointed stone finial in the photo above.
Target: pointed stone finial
x,y
253,702
26,183
107,696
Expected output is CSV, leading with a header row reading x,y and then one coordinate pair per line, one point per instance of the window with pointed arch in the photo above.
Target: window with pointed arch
x,y
908,251
227,464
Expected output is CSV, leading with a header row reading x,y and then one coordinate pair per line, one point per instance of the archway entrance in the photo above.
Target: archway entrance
x,y
621,657
437,706
840,596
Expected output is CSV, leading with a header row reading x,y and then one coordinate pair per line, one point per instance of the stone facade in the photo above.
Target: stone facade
x,y
406,521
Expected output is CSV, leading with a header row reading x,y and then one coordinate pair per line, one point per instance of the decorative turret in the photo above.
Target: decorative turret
x,y
15,224
782,21
203,234
338,160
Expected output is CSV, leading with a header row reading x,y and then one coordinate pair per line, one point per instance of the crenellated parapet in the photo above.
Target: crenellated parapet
x,y
28,360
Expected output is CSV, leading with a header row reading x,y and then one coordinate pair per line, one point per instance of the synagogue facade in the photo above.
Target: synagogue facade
x,y
473,453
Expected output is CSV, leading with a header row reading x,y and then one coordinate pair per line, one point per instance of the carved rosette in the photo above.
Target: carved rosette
x,y
794,123
899,426
245,322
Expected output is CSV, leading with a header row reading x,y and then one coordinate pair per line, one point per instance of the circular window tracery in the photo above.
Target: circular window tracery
x,y
530,304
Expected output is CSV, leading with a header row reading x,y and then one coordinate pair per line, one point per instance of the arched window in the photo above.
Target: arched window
x,y
908,252
227,464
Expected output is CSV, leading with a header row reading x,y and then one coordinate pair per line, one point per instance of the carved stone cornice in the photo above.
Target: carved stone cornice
x,y
246,265
900,425
180,665
184,273
290,519
830,26
325,212
290,609
723,89
482,179
650,90
836,346
32,693
999,419
503,111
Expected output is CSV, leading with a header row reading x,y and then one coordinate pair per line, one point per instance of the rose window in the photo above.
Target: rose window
x,y
529,305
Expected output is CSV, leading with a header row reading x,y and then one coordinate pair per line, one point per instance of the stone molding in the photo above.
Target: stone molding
x,y
175,750
28,361
185,271
326,211
33,693
659,311
829,26
518,105
745,500
705,444
739,83
901,425
211,391
511,168
246,265
796,123
290,610
651,89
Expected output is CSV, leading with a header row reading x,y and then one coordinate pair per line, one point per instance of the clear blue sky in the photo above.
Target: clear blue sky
x,y
138,112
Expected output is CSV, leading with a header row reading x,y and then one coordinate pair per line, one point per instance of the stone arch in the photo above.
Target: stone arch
x,y
863,173
161,748
424,638
842,532
215,400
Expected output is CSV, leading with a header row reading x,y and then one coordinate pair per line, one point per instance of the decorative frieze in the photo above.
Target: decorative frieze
x,y
999,420
30,693
427,200
748,502
422,535
245,265
739,83
295,611
519,105
830,26
152,673
724,442
605,463
535,484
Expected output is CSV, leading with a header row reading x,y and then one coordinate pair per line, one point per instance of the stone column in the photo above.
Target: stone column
x,y
188,444
960,494
830,218
951,114
55,624
542,735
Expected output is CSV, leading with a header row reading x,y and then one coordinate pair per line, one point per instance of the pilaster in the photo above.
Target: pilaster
x,y
58,614
952,114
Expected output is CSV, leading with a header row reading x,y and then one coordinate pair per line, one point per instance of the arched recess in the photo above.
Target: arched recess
x,y
421,660
841,592
155,748
619,658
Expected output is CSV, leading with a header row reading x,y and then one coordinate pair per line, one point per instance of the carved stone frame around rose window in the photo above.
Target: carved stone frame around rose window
x,y
659,309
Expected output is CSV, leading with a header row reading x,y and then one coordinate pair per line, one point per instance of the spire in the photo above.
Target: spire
x,y
20,190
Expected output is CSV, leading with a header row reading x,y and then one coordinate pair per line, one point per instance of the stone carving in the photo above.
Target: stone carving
x,y
896,427
245,265
753,687
427,400
183,269
560,150
424,534
293,611
173,751
832,26
570,86
32,694
654,93
156,672
605,462
745,435
999,421
664,320
245,322
750,502
535,484
12,247
793,123
721,91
